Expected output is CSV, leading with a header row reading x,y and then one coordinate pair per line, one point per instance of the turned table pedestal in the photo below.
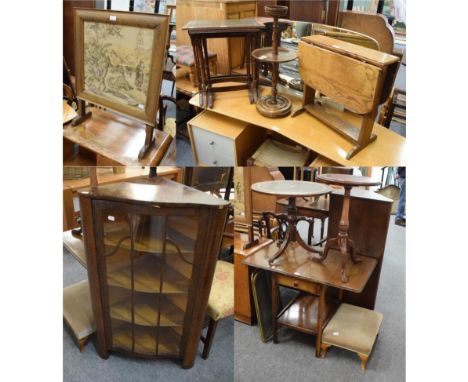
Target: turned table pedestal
x,y
342,242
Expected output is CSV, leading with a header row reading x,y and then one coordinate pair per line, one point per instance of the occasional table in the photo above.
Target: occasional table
x,y
274,105
315,305
290,189
201,30
342,242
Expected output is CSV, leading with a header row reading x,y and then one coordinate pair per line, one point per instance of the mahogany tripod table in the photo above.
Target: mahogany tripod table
x,y
290,189
343,243
201,30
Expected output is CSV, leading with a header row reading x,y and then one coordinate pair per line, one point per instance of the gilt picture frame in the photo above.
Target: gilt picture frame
x,y
119,58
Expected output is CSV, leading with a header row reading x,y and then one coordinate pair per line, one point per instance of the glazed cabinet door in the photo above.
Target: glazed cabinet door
x,y
145,258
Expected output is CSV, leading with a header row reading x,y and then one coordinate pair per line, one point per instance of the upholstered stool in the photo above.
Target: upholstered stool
x,y
77,312
185,59
221,301
352,328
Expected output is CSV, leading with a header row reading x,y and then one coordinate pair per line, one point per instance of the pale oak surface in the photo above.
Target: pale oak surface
x,y
388,150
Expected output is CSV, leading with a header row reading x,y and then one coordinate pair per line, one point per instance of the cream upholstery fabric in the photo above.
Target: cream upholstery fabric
x,y
353,328
77,310
221,301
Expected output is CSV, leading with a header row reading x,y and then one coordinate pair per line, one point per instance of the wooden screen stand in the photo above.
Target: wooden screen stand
x,y
356,77
149,138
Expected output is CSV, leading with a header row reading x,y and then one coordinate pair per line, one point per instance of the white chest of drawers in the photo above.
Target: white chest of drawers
x,y
222,141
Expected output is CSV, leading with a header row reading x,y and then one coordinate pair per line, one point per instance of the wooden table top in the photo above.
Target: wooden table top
x,y
361,53
213,26
158,191
388,150
347,180
296,262
290,188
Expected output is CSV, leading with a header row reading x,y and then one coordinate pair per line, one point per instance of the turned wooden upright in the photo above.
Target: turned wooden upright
x,y
342,241
356,77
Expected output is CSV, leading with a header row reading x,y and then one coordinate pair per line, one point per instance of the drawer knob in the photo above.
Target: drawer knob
x,y
295,284
215,162
212,143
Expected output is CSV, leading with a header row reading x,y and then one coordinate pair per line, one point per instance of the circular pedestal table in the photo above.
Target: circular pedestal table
x,y
290,189
343,242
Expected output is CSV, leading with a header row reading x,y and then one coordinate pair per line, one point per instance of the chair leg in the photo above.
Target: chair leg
x,y
209,338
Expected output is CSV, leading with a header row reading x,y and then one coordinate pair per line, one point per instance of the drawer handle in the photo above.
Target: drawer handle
x,y
212,143
215,162
295,283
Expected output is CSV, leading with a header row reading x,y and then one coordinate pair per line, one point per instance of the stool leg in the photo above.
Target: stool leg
x,y
82,343
364,359
209,338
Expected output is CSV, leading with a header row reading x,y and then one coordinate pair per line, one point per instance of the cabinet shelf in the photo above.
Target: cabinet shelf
x,y
180,237
148,340
302,315
147,277
146,310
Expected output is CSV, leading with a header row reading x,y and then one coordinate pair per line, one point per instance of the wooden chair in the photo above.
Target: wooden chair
x,y
394,109
185,60
77,312
220,303
373,25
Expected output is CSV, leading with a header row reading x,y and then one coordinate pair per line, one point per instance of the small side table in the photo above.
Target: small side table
x,y
201,30
343,243
290,189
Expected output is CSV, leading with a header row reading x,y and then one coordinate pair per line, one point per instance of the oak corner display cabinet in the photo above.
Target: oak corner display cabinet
x,y
151,249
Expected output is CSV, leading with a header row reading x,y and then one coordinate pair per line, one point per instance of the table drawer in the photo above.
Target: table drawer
x,y
213,149
292,282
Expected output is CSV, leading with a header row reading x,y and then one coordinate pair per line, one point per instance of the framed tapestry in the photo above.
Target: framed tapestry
x,y
120,59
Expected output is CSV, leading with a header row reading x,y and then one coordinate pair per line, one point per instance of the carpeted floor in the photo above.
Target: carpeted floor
x,y
89,367
294,359
239,346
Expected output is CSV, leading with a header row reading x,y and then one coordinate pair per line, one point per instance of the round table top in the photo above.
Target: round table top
x,y
291,188
267,55
347,180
